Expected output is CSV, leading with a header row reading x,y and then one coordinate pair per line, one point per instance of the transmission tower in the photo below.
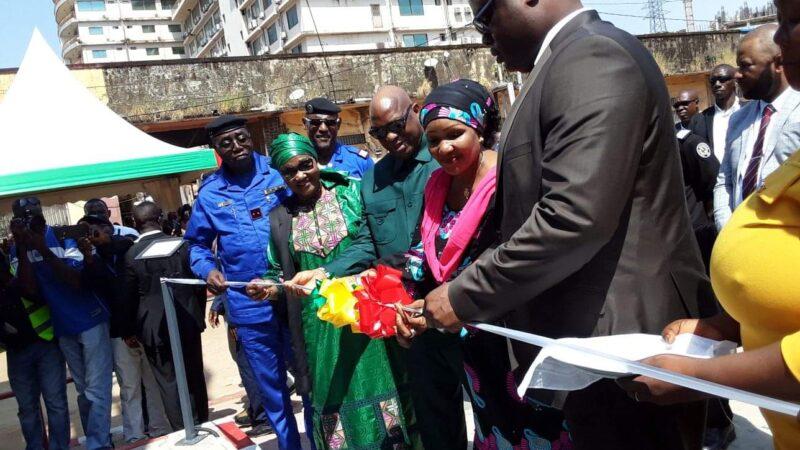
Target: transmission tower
x,y
655,11
688,9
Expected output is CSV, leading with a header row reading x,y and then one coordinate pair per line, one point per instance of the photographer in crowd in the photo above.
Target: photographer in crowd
x,y
103,268
36,368
52,265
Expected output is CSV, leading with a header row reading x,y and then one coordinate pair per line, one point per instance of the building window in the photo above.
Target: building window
x,y
291,17
175,28
272,34
178,51
415,40
377,20
442,37
297,50
143,5
411,7
266,4
437,2
457,15
152,51
167,4
91,5
96,31
99,54
148,28
468,14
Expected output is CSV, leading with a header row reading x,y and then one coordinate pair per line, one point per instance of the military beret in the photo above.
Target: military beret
x,y
224,123
321,105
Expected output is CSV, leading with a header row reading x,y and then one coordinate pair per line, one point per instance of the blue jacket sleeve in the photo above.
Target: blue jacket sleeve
x,y
201,235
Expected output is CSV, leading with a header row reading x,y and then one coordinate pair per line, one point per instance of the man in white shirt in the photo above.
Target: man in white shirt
x,y
712,123
764,132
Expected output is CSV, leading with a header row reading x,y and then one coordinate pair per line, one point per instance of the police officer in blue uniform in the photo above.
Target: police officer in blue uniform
x,y
322,122
232,208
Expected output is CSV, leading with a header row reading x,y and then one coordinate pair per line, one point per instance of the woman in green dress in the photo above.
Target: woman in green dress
x,y
358,386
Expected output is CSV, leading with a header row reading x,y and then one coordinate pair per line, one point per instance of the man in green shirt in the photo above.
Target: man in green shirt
x,y
393,193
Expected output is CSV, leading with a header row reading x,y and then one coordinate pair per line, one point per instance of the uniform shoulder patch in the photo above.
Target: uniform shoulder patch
x,y
703,150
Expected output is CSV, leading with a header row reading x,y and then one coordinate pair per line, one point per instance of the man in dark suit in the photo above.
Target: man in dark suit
x,y
594,235
146,306
712,124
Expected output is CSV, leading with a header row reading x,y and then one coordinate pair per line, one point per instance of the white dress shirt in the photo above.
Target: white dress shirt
x,y
779,105
554,31
722,118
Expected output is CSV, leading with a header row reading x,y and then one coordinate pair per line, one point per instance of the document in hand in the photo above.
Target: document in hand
x,y
564,369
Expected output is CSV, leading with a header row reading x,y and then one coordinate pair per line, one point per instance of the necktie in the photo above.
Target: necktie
x,y
751,176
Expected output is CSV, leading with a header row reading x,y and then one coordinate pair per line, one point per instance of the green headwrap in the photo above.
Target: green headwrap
x,y
288,145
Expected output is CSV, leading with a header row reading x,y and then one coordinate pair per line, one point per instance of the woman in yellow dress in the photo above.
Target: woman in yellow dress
x,y
755,271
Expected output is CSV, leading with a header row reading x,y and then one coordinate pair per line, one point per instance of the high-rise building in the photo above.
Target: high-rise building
x,y
133,30
96,31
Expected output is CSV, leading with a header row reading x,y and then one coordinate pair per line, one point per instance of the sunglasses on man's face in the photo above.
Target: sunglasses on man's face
x,y
226,143
29,201
483,18
305,165
721,80
685,104
396,127
316,123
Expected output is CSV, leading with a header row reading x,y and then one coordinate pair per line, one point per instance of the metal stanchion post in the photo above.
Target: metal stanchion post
x,y
192,436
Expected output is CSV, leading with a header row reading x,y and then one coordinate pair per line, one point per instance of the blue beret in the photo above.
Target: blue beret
x,y
321,105
224,123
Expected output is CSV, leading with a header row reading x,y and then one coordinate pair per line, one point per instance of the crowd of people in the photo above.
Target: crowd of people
x,y
589,213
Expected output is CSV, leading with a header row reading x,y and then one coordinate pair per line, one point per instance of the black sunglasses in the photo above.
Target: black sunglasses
x,y
304,165
316,123
29,201
723,79
677,105
483,18
395,126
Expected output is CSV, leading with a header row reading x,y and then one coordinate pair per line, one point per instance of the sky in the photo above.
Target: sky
x,y
18,18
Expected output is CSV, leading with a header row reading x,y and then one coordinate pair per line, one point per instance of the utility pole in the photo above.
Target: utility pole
x,y
655,11
688,9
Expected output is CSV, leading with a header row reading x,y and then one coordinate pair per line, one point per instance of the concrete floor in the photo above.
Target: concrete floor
x,y
226,394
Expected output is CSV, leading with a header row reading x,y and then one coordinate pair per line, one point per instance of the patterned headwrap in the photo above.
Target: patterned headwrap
x,y
288,145
466,101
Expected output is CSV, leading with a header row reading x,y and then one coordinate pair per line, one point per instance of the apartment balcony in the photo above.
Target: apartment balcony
x,y
68,27
181,9
63,9
205,50
70,47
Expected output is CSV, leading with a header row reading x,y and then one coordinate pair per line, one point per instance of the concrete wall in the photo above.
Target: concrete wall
x,y
155,92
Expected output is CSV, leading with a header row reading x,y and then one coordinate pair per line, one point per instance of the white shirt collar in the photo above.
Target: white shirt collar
x,y
149,233
554,31
730,110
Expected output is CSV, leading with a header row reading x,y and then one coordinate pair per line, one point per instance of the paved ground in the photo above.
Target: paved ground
x,y
226,393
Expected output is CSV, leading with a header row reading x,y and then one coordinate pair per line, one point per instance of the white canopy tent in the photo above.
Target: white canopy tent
x,y
59,139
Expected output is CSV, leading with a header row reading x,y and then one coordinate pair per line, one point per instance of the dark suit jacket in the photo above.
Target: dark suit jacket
x,y
594,230
145,304
703,125
288,308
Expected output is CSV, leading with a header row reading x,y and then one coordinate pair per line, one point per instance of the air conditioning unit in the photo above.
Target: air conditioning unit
x,y
185,34
218,26
278,2
253,23
284,36
261,15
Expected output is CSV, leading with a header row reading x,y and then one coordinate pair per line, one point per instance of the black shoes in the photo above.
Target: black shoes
x,y
259,430
719,438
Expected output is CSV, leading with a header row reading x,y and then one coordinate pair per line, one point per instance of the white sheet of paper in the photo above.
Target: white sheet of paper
x,y
564,369
160,249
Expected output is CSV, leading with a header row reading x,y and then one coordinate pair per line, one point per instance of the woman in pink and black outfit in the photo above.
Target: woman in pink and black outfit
x,y
457,225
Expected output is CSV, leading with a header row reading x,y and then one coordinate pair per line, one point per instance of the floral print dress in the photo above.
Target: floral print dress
x,y
503,420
